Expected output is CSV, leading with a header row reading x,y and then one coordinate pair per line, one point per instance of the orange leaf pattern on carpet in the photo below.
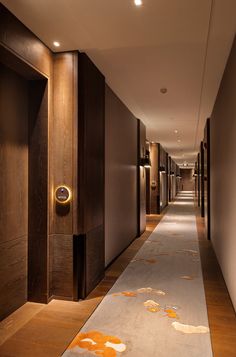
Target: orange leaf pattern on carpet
x,y
171,313
99,343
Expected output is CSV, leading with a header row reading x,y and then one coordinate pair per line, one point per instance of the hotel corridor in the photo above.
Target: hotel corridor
x,y
157,307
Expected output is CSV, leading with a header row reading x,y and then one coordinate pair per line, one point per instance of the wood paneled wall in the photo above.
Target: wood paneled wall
x,y
52,160
154,178
206,150
172,179
23,43
91,158
66,112
31,58
38,192
13,190
198,180
163,178
202,179
63,164
141,175
159,175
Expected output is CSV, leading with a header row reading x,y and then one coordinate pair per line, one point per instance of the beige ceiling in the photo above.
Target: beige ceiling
x,y
182,45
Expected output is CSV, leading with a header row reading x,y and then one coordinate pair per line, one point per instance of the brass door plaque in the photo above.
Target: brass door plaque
x,y
62,194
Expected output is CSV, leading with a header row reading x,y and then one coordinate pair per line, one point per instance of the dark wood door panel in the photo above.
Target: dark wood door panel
x,y
13,275
61,256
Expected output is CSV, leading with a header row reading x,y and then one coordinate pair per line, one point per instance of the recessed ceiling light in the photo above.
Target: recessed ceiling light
x,y
176,131
56,44
163,90
179,140
138,2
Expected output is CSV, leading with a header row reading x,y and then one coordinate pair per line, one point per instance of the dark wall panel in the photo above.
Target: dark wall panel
x,y
13,190
38,192
163,178
23,52
52,154
64,140
121,176
141,175
21,41
91,131
223,173
61,265
154,178
63,163
206,194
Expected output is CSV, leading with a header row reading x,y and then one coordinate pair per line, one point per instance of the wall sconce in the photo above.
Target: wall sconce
x,y
162,169
145,161
172,173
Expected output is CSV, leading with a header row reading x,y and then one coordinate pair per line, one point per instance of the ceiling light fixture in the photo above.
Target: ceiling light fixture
x,y
163,90
179,141
138,2
56,44
176,131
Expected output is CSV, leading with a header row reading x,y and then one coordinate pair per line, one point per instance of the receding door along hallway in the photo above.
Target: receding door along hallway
x,y
157,307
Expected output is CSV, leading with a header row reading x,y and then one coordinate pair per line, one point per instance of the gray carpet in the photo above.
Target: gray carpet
x,y
157,307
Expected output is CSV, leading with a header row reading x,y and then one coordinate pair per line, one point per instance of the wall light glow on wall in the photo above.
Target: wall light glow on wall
x,y
138,2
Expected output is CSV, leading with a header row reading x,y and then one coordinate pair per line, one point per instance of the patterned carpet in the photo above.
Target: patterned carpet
x,y
157,307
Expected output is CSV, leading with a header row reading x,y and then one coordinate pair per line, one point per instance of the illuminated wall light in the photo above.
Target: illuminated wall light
x,y
56,44
138,2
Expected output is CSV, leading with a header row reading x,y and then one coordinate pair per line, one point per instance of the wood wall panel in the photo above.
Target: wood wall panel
x,y
202,179
63,163
61,266
163,179
22,51
21,41
141,175
13,190
38,192
52,149
206,195
91,157
95,257
172,180
154,177
64,145
91,131
13,275
198,180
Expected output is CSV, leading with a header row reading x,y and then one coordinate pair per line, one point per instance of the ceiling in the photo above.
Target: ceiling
x,y
181,45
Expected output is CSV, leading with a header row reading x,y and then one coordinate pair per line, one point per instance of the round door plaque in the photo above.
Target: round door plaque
x,y
62,194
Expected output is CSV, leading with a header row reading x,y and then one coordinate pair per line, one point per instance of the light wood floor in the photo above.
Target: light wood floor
x,y
38,330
